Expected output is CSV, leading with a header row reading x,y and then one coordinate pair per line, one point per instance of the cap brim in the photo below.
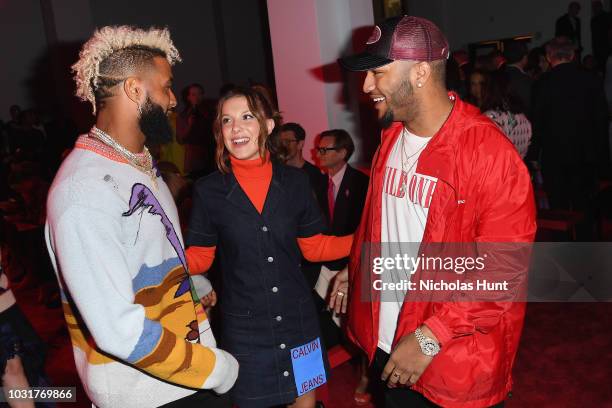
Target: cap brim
x,y
363,62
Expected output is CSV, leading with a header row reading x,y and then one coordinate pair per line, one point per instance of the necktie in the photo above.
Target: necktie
x,y
330,198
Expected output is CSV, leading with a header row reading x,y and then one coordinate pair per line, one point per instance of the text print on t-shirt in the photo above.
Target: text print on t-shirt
x,y
419,189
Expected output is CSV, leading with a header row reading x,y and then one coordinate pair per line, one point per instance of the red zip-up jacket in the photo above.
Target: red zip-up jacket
x,y
483,195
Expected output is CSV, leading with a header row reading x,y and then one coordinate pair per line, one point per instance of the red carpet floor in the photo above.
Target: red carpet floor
x,y
565,357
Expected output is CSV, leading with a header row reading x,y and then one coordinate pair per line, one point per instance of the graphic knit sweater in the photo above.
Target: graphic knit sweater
x,y
133,319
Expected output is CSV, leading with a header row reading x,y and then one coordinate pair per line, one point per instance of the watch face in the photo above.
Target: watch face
x,y
430,348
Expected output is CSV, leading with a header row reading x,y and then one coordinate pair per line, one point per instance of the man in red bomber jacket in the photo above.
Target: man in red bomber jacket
x,y
443,173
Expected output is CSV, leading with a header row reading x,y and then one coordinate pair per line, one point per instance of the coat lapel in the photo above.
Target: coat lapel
x,y
238,197
342,199
275,192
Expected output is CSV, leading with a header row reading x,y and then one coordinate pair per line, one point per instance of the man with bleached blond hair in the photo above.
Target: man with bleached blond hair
x,y
140,336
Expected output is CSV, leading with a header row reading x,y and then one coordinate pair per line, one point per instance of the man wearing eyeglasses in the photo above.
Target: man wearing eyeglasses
x,y
341,197
345,188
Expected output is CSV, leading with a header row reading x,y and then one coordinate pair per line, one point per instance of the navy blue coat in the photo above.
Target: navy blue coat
x,y
266,304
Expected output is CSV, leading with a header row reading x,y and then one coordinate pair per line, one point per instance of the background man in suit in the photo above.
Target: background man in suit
x,y
568,25
292,137
601,22
344,189
570,128
341,198
519,81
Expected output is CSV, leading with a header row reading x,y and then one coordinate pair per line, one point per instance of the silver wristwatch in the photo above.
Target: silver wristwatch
x,y
429,346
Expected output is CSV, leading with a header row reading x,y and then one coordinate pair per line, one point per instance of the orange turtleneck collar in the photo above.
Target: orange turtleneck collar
x,y
254,177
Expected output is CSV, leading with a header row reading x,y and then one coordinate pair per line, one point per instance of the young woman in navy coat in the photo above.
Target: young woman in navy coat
x,y
260,217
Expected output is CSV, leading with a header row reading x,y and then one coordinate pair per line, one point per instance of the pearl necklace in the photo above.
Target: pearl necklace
x,y
143,164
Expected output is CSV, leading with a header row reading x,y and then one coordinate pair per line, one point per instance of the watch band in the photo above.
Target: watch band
x,y
429,346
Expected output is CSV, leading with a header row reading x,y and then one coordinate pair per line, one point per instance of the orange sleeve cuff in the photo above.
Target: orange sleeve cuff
x,y
321,248
199,259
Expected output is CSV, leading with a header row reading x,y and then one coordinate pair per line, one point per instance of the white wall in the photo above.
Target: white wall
x,y
296,51
468,21
335,22
307,38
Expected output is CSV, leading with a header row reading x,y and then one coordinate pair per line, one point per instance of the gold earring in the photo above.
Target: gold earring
x,y
419,85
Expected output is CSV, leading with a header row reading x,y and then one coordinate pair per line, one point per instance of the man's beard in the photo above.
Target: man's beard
x,y
404,98
387,119
153,123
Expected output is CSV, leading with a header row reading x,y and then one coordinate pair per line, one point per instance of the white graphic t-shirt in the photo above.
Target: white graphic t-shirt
x,y
406,199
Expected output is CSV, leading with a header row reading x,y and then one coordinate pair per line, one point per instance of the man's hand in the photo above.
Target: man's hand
x,y
338,297
407,362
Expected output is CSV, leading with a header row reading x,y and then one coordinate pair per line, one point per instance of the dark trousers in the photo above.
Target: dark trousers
x,y
401,397
331,334
570,186
202,398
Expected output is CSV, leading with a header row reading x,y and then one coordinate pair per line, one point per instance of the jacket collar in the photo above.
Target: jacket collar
x,y
237,196
438,158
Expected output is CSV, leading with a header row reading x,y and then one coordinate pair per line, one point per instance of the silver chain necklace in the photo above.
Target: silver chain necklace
x,y
403,153
144,164
404,131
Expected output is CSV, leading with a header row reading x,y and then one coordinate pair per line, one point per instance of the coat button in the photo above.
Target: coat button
x,y
282,346
264,228
275,289
286,373
279,318
270,259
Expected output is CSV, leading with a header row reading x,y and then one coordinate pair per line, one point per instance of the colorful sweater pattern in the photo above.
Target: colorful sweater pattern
x,y
139,334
